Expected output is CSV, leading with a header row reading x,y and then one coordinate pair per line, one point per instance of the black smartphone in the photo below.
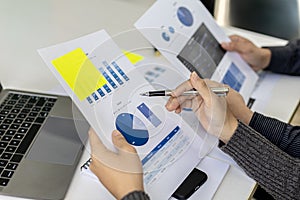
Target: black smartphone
x,y
190,184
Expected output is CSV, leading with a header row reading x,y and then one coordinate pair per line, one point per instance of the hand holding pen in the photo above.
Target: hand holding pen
x,y
210,110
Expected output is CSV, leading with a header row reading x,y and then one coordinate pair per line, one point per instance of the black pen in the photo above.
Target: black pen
x,y
220,91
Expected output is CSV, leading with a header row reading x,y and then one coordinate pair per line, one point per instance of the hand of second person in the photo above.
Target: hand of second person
x,y
210,109
120,172
258,58
237,106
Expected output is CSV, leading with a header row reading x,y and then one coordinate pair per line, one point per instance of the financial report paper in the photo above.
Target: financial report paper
x,y
106,88
188,36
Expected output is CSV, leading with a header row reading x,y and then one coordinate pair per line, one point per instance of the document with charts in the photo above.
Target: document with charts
x,y
188,36
106,88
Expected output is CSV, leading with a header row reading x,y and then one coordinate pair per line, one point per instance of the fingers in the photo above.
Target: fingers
x,y
185,86
96,143
176,100
176,103
201,86
99,153
236,44
213,84
126,159
120,142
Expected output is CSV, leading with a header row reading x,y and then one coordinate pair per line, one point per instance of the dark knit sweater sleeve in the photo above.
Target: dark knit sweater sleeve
x,y
136,195
285,59
285,136
274,170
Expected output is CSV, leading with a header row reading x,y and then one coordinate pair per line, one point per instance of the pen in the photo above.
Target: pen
x,y
220,91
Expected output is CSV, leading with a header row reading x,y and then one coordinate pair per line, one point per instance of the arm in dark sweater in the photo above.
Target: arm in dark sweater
x,y
277,172
286,59
285,136
136,195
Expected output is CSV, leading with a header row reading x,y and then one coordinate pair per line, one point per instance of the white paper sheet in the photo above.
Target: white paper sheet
x,y
172,146
187,35
262,98
214,168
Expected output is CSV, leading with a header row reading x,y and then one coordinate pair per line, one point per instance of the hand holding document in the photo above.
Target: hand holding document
x,y
106,88
165,143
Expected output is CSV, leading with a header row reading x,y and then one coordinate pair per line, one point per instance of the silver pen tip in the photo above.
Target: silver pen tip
x,y
144,94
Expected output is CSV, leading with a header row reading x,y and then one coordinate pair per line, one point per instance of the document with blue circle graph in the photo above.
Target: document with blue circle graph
x,y
187,35
165,143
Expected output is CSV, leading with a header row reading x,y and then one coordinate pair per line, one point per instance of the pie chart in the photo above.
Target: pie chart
x,y
185,16
132,128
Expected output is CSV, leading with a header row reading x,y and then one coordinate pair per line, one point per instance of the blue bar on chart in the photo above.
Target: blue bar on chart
x,y
89,100
106,76
107,89
95,96
120,70
112,72
152,118
101,92
114,75
105,63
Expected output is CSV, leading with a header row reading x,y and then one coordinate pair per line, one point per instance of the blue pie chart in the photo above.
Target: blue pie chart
x,y
132,128
185,16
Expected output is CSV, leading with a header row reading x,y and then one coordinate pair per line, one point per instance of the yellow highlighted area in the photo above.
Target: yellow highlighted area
x,y
80,73
133,57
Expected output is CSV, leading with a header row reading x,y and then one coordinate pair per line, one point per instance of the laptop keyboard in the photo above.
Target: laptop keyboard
x,y
21,116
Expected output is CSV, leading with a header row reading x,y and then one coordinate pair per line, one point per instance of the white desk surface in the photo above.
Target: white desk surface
x,y
29,25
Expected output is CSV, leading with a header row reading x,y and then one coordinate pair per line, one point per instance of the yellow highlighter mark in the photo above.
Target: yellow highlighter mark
x,y
79,72
133,57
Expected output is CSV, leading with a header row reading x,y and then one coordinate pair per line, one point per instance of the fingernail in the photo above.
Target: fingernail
x,y
194,76
224,44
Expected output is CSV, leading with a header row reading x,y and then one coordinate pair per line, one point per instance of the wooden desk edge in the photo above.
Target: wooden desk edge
x,y
295,119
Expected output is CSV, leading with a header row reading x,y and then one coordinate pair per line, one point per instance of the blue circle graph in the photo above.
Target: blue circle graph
x,y
132,128
165,36
185,16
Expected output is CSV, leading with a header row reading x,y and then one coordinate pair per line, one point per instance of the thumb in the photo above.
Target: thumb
x,y
200,85
120,142
234,45
95,142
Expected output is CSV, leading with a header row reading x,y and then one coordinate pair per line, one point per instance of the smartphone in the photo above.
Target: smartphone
x,y
190,184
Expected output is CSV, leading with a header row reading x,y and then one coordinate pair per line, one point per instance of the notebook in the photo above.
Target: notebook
x,y
41,141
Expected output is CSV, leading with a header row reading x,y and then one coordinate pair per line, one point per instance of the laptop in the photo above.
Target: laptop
x,y
41,140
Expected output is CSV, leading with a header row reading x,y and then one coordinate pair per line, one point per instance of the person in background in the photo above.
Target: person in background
x,y
278,59
273,162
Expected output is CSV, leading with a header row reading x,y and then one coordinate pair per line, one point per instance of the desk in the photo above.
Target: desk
x,y
295,120
30,25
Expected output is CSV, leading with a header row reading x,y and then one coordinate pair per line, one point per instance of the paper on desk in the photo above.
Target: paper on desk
x,y
216,171
214,168
262,98
276,91
169,147
187,35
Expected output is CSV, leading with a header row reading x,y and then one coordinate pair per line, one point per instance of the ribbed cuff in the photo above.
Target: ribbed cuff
x,y
278,58
136,195
271,128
